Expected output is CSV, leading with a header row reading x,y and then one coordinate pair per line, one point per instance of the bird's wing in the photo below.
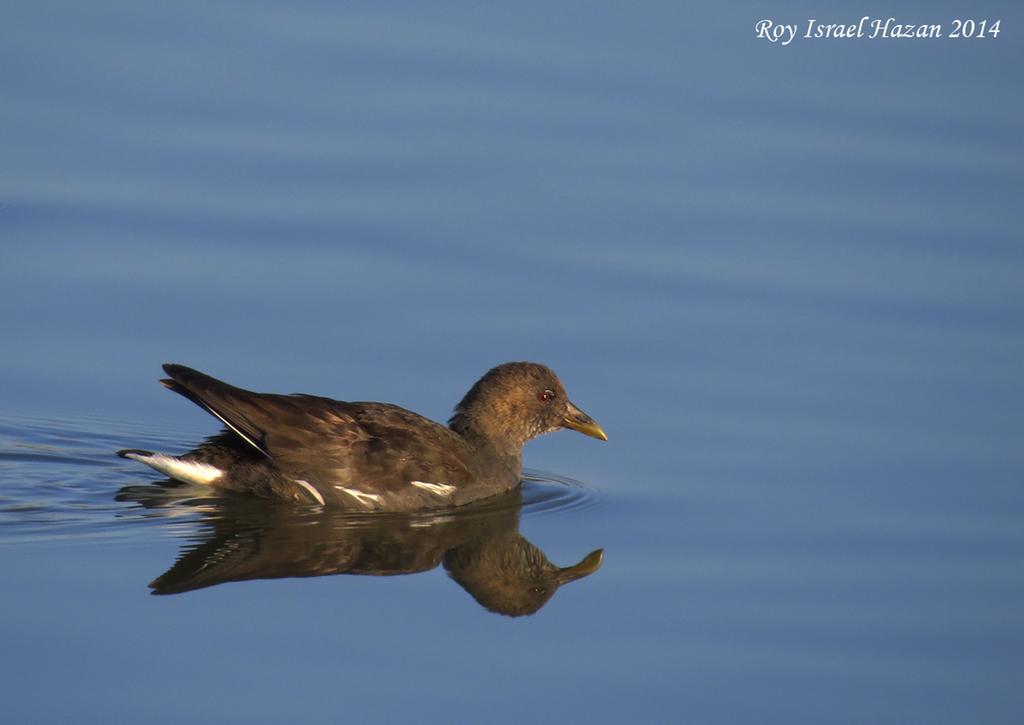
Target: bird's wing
x,y
323,440
247,413
384,446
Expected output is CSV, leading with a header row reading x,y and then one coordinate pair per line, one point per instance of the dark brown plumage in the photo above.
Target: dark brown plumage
x,y
370,456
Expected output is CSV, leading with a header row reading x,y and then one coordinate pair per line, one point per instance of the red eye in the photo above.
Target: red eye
x,y
545,396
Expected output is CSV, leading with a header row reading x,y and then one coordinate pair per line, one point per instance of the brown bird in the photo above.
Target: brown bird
x,y
370,456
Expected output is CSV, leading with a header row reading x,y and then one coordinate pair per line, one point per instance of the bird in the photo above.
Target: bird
x,y
368,456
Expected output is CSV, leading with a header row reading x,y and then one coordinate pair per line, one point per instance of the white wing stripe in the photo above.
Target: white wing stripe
x,y
438,489
244,437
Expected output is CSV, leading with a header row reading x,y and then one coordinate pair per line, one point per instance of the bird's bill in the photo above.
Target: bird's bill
x,y
590,563
579,421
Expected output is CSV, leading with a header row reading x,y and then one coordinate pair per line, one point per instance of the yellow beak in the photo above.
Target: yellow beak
x,y
579,421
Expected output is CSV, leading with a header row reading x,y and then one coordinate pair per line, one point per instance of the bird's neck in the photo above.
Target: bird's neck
x,y
497,467
497,449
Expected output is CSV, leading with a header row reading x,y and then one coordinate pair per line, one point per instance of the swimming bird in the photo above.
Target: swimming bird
x,y
368,456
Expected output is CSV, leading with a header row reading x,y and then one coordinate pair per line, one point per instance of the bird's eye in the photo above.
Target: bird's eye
x,y
546,396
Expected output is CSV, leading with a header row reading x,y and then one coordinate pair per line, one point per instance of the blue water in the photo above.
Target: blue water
x,y
789,283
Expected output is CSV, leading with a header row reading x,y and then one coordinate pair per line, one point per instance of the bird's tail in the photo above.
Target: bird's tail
x,y
174,467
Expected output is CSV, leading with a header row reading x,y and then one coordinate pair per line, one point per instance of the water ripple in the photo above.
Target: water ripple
x,y
547,493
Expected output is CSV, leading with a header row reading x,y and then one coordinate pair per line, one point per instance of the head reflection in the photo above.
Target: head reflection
x,y
480,547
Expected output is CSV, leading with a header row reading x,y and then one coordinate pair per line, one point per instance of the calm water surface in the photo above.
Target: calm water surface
x,y
789,283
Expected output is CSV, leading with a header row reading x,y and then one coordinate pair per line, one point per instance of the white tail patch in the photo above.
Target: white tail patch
x,y
188,471
312,491
364,498
438,489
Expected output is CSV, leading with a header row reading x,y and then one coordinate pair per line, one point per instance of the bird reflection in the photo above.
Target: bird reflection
x,y
241,539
